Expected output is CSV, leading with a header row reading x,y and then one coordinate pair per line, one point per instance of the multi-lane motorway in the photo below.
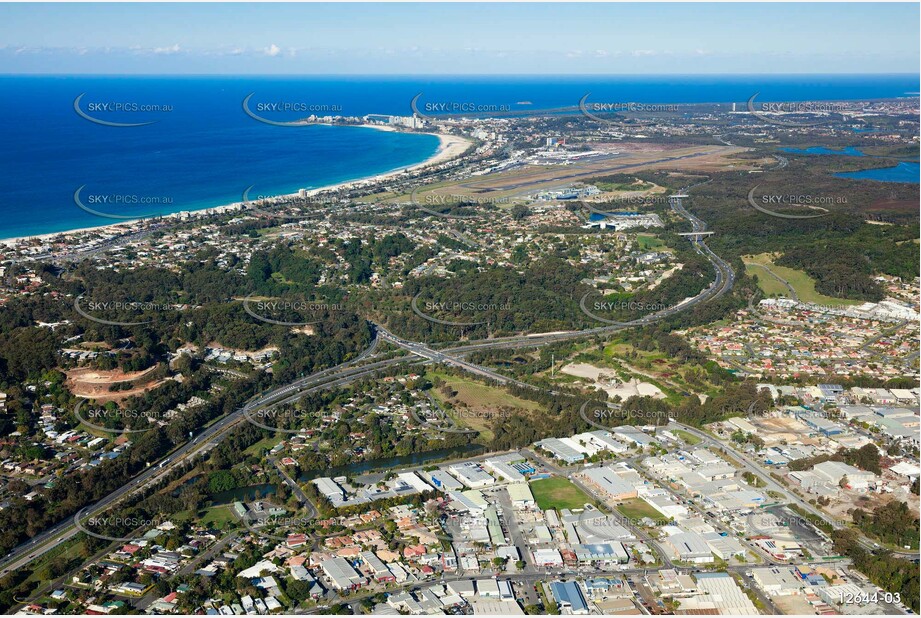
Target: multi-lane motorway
x,y
344,374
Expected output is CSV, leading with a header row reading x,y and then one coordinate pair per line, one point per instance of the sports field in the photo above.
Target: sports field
x,y
558,493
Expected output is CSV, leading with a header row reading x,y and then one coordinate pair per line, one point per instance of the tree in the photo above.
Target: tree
x,y
520,211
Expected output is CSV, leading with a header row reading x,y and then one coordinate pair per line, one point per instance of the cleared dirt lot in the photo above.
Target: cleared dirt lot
x,y
94,383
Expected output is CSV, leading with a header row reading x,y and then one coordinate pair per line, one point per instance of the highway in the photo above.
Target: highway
x,y
198,446
341,375
353,370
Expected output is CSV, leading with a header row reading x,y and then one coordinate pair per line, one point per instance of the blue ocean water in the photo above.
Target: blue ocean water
x,y
203,150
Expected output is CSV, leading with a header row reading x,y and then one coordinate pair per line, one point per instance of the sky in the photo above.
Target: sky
x,y
450,38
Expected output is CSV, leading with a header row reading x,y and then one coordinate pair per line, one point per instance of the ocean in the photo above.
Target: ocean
x,y
197,148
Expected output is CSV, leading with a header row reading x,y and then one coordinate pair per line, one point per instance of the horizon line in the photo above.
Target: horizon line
x,y
379,75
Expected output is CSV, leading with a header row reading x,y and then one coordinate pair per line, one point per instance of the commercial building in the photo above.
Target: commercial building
x,y
568,596
835,471
605,441
341,574
493,607
414,481
719,593
494,527
777,581
561,450
632,435
472,475
609,484
505,470
330,490
521,496
376,567
469,502
441,480
601,552
690,547
547,557
824,426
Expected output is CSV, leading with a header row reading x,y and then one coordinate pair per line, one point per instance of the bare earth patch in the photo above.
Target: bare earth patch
x,y
92,383
607,381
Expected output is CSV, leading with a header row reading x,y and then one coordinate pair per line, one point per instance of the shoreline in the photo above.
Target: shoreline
x,y
449,147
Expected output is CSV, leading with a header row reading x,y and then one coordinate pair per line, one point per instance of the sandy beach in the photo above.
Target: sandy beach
x,y
449,147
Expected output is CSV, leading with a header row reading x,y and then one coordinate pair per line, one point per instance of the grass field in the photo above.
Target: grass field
x,y
484,401
263,444
558,493
646,242
64,552
637,508
800,281
221,517
768,284
687,437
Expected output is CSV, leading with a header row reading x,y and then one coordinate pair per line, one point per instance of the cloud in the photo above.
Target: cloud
x,y
172,49
272,50
644,52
